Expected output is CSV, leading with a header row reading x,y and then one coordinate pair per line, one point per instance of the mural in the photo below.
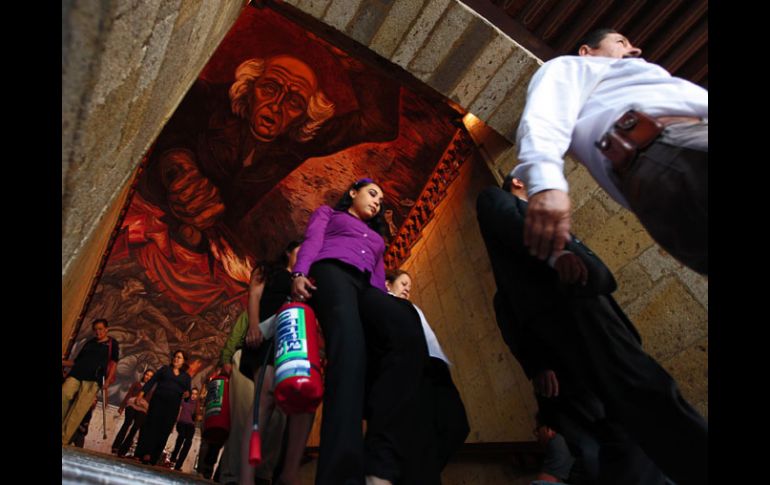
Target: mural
x,y
278,122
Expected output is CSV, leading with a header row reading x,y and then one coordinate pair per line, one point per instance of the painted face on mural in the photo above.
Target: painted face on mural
x,y
281,96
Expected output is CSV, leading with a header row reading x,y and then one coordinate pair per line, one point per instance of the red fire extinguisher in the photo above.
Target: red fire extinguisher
x,y
216,423
298,381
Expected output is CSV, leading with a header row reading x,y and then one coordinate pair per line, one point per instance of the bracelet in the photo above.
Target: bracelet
x,y
297,274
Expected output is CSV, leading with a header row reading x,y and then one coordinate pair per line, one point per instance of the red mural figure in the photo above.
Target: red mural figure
x,y
227,146
277,123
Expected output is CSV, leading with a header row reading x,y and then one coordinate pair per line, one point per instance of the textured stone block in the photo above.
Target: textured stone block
x,y
395,26
670,320
620,240
366,22
517,65
476,36
633,281
690,370
658,263
422,27
582,187
505,118
589,219
316,8
481,71
608,202
340,12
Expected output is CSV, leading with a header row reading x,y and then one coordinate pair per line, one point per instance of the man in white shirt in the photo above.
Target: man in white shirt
x,y
640,132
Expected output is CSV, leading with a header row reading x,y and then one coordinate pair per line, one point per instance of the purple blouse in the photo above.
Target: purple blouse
x,y
339,235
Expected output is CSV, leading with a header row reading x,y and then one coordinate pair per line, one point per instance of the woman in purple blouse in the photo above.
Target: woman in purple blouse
x,y
340,265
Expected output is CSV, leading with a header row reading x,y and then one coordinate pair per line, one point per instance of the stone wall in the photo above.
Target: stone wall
x,y
125,67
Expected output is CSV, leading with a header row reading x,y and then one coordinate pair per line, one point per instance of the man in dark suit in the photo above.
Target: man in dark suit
x,y
572,338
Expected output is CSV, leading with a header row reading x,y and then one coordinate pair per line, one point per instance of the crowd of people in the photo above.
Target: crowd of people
x,y
609,413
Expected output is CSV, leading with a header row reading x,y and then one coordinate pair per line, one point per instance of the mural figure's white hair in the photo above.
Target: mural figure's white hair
x,y
319,107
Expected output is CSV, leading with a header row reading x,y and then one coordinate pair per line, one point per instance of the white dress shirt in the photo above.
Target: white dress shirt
x,y
572,101
434,348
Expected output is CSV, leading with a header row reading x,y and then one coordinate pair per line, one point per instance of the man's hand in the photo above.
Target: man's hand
x,y
544,434
546,384
546,227
254,335
571,269
301,287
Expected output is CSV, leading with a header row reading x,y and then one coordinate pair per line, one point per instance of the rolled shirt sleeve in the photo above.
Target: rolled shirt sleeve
x,y
555,96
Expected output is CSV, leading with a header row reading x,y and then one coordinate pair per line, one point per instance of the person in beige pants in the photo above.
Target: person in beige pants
x,y
97,360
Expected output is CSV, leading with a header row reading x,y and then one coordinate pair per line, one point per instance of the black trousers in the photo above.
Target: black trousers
x,y
157,428
185,433
667,189
208,455
343,293
132,423
589,338
397,356
441,428
605,454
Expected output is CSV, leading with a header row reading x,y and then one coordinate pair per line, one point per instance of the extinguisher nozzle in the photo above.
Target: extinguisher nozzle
x,y
255,449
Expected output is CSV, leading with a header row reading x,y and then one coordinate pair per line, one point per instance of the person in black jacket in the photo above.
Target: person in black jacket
x,y
584,345
95,365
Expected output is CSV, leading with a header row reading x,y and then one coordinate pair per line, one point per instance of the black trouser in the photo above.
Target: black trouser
x,y
441,429
605,453
588,337
667,189
207,459
164,409
342,291
397,355
136,420
185,433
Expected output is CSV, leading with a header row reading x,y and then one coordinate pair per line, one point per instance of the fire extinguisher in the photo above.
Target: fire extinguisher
x,y
298,380
216,423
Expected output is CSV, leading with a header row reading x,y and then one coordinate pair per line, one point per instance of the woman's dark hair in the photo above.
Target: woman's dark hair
x,y
100,320
184,366
283,259
376,223
592,39
392,275
270,268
